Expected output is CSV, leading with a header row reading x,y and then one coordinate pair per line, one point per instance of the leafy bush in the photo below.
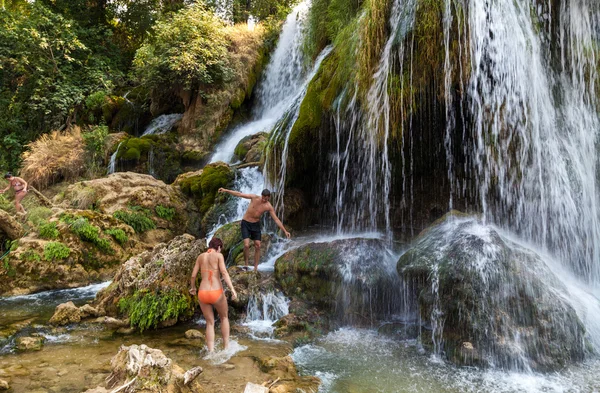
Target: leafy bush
x,y
118,234
48,230
56,251
168,213
95,100
138,220
189,49
146,309
54,156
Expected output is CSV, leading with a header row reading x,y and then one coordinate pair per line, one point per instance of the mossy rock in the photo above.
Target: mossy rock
x,y
131,154
231,235
133,148
494,295
194,155
242,148
213,177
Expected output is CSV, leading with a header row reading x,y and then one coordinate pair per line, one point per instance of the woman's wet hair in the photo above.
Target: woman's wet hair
x,y
7,175
215,243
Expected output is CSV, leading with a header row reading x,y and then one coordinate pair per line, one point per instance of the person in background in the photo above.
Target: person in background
x,y
20,187
210,294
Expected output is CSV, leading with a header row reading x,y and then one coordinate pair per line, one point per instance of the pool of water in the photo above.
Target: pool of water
x,y
361,361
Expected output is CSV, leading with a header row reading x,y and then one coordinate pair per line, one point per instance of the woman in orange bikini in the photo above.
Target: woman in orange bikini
x,y
20,187
212,266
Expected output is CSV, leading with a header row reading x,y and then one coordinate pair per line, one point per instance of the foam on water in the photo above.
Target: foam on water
x,y
220,357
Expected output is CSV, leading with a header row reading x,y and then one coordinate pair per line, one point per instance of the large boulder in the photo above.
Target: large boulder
x,y
251,148
138,368
133,198
489,300
30,343
72,248
66,313
151,289
231,235
353,278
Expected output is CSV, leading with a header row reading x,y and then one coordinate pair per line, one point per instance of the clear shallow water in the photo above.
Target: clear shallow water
x,y
357,361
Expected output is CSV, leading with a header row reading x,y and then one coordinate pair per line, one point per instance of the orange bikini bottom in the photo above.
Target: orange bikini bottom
x,y
209,296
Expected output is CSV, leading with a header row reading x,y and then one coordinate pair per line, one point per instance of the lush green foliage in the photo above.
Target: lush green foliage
x,y
190,48
90,233
138,219
39,214
146,309
46,71
168,213
56,251
118,234
48,230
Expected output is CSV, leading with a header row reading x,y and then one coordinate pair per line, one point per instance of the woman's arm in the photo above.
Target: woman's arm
x,y
194,274
226,277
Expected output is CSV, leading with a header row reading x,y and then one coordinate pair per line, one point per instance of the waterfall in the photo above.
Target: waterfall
x,y
162,124
151,170
112,164
536,125
264,309
279,87
281,134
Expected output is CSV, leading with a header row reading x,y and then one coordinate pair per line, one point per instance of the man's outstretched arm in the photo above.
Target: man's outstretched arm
x,y
236,193
278,222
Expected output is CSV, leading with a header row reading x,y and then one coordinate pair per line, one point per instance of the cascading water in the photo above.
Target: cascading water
x,y
536,125
279,87
112,164
162,124
264,309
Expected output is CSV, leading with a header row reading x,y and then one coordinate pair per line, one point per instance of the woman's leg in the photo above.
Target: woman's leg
x,y
221,306
209,316
18,197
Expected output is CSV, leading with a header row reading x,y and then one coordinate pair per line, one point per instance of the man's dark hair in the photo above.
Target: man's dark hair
x,y
215,243
266,192
7,175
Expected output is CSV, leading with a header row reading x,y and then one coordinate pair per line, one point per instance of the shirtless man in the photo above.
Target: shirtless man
x,y
251,221
20,187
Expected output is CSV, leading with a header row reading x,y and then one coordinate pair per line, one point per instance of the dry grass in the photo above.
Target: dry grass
x,y
53,157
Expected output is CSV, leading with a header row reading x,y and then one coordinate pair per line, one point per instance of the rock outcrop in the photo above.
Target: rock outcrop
x,y
152,288
490,300
171,213
68,312
138,368
251,148
73,248
9,226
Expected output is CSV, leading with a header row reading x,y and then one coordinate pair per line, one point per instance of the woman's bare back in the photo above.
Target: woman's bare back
x,y
209,269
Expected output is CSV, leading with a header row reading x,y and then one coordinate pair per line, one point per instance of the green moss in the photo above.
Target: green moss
x,y
139,220
194,155
168,213
241,150
133,148
90,233
56,251
118,234
31,256
38,215
213,177
131,154
48,230
147,309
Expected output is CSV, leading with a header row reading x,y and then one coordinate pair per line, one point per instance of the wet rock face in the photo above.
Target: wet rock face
x,y
143,369
353,278
152,288
490,301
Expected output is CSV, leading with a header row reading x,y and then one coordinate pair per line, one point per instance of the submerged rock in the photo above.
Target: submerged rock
x,y
151,289
143,369
286,374
193,334
353,278
490,301
30,343
66,313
